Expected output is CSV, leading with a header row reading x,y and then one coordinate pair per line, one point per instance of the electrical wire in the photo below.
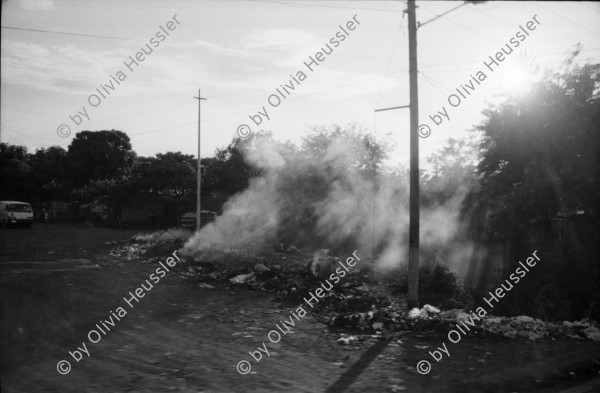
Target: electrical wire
x,y
258,107
568,20
301,5
204,45
71,34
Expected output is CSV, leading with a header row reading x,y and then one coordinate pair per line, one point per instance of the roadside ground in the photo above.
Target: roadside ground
x,y
58,281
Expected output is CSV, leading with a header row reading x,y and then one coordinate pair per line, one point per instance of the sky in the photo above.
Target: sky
x,y
55,54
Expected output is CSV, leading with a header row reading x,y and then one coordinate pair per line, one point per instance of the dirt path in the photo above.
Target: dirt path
x,y
182,338
177,338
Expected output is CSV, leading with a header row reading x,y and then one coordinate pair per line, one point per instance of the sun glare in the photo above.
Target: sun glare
x,y
516,77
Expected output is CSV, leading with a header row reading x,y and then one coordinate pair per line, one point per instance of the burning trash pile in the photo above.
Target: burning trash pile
x,y
357,304
261,269
150,246
293,276
523,326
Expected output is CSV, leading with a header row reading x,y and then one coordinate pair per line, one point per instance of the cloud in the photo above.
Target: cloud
x,y
77,70
63,68
277,38
37,5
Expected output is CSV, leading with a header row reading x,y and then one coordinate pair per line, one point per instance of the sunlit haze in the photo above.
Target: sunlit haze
x,y
239,53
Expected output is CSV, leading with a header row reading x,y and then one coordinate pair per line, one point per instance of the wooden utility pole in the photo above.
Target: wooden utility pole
x,y
199,180
414,210
414,225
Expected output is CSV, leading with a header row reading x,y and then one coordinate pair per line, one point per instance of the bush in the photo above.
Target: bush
x,y
438,286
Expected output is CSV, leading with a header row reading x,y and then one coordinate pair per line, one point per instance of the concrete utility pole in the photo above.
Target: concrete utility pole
x,y
414,224
199,181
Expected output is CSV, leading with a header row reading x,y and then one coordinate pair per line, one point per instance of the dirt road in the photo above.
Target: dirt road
x,y
58,282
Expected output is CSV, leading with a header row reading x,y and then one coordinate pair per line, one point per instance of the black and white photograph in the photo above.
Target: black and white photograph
x,y
215,196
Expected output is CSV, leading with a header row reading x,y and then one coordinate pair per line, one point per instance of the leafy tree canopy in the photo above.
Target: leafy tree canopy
x,y
99,155
542,152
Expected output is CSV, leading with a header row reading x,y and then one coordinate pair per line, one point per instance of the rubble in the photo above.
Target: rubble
x,y
424,312
322,265
524,319
152,245
520,327
354,306
416,313
431,309
242,278
345,339
261,269
593,333
451,314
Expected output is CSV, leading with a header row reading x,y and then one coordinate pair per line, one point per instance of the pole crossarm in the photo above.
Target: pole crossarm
x,y
419,25
392,107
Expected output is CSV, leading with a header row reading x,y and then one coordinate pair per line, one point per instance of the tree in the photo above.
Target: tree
x,y
229,171
50,173
169,174
541,161
332,161
454,172
105,197
360,148
15,173
99,155
542,153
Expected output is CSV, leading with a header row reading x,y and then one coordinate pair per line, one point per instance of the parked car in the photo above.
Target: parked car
x,y
188,220
16,213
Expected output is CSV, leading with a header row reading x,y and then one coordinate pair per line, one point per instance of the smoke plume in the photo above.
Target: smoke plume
x,y
328,195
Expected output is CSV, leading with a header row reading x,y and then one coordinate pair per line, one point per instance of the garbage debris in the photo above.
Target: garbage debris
x,y
261,269
242,278
423,312
346,339
416,313
431,309
155,244
451,314
593,333
322,265
288,248
356,306
523,319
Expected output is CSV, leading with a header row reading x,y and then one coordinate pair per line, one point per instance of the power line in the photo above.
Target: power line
x,y
258,107
17,132
390,59
21,136
468,28
547,63
441,15
589,8
430,66
301,5
433,83
205,45
512,25
569,20
73,34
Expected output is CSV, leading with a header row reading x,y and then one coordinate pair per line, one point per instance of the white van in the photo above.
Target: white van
x,y
16,213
